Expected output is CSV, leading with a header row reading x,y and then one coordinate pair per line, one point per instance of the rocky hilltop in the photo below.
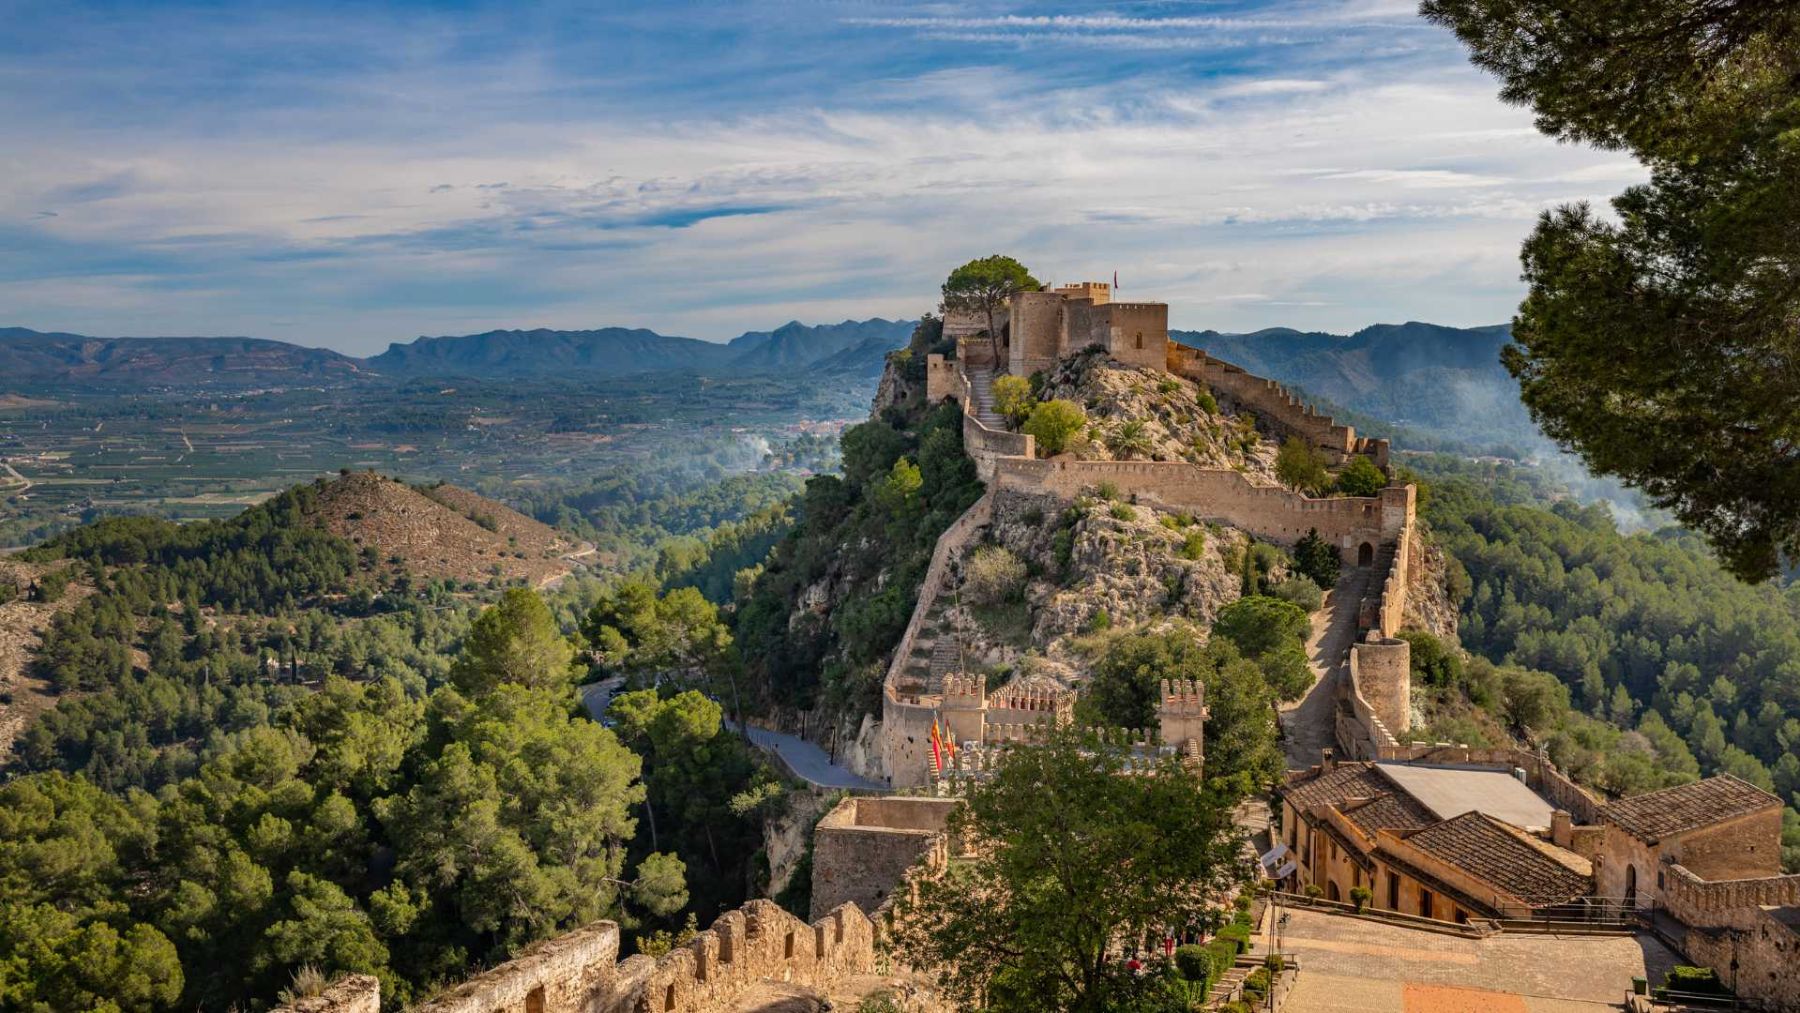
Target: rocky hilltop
x,y
441,531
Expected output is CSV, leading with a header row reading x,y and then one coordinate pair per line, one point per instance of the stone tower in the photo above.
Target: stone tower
x,y
965,706
1181,712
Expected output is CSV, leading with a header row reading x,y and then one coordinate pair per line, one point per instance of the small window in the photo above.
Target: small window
x,y
1393,892
669,998
1424,902
788,951
534,1000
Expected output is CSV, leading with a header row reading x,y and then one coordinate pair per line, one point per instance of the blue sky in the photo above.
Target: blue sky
x,y
358,173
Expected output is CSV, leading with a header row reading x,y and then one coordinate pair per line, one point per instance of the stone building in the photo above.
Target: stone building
x,y
1722,828
1443,841
864,847
1045,326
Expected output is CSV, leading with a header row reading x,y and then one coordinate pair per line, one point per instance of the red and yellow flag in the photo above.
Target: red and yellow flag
x,y
937,760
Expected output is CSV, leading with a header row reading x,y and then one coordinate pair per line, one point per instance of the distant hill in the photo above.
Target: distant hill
x,y
857,345
853,346
1447,380
443,531
544,352
28,355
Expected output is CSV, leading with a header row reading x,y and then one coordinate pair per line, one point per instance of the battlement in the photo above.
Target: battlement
x,y
964,692
1183,696
580,972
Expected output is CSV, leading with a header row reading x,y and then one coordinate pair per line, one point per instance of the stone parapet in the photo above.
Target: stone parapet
x,y
1714,903
1275,406
580,972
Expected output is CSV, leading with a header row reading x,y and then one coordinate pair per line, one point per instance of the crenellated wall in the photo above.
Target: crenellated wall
x,y
1273,405
580,972
1723,902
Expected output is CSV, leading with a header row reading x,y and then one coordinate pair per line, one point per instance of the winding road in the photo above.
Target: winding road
x,y
803,759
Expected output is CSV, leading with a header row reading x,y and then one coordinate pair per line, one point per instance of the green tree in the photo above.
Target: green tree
x,y
984,286
1301,467
636,630
514,641
1316,558
1076,857
1054,424
1360,477
1258,625
1659,343
1013,397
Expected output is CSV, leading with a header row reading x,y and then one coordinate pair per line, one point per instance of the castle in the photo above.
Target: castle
x,y
924,688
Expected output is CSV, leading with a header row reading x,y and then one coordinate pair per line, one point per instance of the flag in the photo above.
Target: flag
x,y
937,761
1115,279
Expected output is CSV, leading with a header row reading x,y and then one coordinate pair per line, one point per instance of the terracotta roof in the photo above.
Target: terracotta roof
x,y
1491,851
1329,787
1393,811
1655,815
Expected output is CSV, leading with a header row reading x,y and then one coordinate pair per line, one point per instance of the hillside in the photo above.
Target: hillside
x,y
442,531
28,355
1444,379
858,345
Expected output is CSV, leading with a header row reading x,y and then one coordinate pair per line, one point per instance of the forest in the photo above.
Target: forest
x,y
1638,659
266,765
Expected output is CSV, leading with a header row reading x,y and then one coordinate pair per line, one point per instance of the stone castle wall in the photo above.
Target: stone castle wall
x,y
1273,405
1380,674
580,972
865,846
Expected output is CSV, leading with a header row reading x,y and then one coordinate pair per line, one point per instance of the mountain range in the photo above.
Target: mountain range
x,y
1444,380
854,346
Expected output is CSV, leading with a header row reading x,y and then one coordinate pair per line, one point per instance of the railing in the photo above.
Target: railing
x,y
1475,927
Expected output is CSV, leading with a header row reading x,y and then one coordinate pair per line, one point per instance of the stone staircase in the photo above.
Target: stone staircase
x,y
935,652
981,388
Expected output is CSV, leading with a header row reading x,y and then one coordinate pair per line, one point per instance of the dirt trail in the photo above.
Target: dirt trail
x,y
1309,724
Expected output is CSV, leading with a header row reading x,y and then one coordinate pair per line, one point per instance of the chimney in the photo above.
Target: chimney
x,y
1329,761
1561,828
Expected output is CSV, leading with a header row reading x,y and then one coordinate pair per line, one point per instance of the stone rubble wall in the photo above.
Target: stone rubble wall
x,y
580,972
1724,903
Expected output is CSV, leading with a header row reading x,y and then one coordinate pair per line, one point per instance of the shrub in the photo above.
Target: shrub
x,y
1360,478
1194,545
1099,622
1123,512
1432,660
1207,402
1299,591
1686,978
1054,425
1132,439
993,575
1062,545
1256,985
1314,890
1301,467
1108,491
1191,962
1012,398
1360,896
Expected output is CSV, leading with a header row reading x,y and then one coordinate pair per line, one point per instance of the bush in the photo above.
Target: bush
x,y
1054,425
1432,660
1012,398
1256,985
1299,591
1360,896
1314,890
1686,978
1360,478
1191,962
1123,512
993,575
1194,545
1207,402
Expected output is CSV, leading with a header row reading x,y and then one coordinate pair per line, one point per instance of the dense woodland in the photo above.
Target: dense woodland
x,y
1638,660
266,762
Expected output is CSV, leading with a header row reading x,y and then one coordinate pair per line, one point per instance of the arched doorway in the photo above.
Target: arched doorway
x,y
1331,890
1365,554
1631,886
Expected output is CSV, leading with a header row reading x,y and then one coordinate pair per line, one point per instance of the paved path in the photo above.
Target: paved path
x,y
802,758
808,762
1352,965
1309,724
